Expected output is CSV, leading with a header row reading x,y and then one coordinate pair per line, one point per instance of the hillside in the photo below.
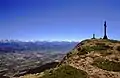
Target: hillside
x,y
91,58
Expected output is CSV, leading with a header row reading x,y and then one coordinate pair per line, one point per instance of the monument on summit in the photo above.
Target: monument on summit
x,y
93,36
105,31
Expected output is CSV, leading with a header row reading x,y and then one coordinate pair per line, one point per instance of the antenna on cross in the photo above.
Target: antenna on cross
x,y
105,31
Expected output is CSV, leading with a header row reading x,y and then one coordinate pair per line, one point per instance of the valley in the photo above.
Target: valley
x,y
18,58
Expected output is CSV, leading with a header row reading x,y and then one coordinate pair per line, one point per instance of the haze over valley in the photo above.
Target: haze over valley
x,y
18,57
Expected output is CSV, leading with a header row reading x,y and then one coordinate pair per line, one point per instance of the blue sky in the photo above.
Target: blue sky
x,y
58,20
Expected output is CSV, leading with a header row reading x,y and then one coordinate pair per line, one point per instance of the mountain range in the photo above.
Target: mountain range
x,y
43,46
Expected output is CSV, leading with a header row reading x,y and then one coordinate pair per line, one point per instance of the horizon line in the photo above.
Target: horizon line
x,y
39,40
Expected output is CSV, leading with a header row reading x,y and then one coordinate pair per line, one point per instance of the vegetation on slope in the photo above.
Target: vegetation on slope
x,y
98,45
66,71
107,65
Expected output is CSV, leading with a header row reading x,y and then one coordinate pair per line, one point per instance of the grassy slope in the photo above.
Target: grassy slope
x,y
66,71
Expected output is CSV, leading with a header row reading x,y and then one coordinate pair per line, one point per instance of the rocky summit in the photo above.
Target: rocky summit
x,y
91,58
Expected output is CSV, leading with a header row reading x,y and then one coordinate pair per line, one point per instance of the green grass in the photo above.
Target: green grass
x,y
66,71
107,65
87,49
98,47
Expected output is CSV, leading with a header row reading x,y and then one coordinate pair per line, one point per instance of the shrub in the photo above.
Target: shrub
x,y
114,41
101,47
84,50
107,65
69,54
118,48
105,53
87,49
94,48
66,71
100,44
79,48
98,48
